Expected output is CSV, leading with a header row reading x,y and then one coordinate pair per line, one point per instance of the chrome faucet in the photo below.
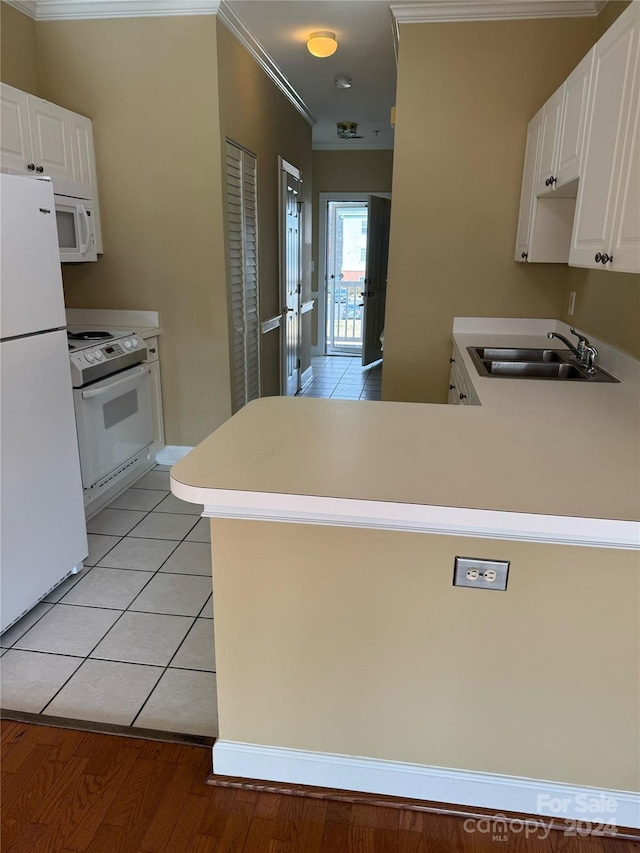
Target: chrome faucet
x,y
585,353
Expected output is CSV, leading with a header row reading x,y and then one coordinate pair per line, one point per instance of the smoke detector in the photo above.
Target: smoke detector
x,y
348,130
343,82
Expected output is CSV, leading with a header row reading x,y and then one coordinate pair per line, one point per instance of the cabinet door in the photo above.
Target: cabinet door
x,y
625,243
551,116
614,69
84,165
51,138
527,194
15,145
574,120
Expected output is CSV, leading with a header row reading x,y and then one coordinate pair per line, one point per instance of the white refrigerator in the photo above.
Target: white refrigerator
x,y
42,525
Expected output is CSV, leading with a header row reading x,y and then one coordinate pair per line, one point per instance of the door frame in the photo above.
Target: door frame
x,y
285,167
320,295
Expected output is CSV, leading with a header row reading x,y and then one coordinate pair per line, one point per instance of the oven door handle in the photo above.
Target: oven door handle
x,y
98,392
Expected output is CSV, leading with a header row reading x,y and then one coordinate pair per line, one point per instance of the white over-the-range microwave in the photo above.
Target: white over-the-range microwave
x,y
76,229
74,217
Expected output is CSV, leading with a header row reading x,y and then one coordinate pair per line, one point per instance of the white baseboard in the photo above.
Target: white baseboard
x,y
417,781
171,454
307,376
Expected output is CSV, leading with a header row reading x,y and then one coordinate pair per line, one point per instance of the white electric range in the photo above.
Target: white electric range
x,y
112,401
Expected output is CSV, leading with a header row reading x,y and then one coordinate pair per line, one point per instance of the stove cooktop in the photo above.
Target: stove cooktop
x,y
97,353
79,337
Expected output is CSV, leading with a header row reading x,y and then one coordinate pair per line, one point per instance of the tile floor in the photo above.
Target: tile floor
x,y
343,378
129,640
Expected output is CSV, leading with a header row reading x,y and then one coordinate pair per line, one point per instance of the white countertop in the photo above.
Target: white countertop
x,y
146,323
538,460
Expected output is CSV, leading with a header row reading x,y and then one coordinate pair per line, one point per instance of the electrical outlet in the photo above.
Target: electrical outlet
x,y
481,574
572,303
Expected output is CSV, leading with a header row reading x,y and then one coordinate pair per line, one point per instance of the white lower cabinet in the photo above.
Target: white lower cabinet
x,y
461,390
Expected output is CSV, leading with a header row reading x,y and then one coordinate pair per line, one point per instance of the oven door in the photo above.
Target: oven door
x,y
114,421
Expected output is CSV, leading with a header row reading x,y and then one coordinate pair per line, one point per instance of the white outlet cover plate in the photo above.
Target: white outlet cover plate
x,y
465,564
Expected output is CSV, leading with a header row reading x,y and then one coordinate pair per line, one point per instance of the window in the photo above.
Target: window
x,y
364,226
363,255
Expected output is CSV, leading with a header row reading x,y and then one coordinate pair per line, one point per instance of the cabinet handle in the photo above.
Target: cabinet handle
x,y
525,255
598,257
451,387
547,182
463,396
31,167
452,360
40,169
152,350
606,258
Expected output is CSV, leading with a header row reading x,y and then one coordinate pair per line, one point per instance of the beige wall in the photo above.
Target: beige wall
x,y
150,86
18,50
365,648
256,115
466,92
607,304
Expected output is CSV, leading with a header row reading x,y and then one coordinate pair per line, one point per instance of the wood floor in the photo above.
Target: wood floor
x,y
67,791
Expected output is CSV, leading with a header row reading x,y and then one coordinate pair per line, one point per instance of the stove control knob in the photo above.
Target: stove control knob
x,y
89,356
127,344
99,355
134,343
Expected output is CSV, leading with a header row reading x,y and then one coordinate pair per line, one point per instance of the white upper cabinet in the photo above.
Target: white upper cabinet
x,y
604,199
574,120
625,241
527,194
564,118
84,164
50,129
580,201
548,144
38,137
15,143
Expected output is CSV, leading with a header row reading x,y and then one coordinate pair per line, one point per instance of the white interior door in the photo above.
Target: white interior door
x,y
374,292
291,275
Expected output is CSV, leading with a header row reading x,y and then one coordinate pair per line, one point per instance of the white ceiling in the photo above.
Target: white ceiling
x,y
276,31
365,53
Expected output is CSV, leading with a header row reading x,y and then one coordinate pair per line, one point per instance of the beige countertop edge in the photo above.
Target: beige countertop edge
x,y
382,515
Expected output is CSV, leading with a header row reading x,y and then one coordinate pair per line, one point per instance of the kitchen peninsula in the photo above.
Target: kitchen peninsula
x,y
345,656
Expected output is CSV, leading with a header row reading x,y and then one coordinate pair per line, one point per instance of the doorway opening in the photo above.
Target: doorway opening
x,y
346,254
353,253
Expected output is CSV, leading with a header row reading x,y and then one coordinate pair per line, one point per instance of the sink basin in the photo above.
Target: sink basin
x,y
513,363
533,370
505,354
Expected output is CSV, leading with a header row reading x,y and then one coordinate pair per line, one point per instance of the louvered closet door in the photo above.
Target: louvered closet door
x,y
243,273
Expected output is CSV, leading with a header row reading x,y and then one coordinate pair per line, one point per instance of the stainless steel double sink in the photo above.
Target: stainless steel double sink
x,y
513,363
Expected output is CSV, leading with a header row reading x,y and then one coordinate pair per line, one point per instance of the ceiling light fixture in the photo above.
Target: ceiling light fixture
x,y
322,44
343,82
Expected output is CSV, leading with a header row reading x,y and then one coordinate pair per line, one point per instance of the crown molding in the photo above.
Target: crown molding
x,y
236,26
74,10
431,11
